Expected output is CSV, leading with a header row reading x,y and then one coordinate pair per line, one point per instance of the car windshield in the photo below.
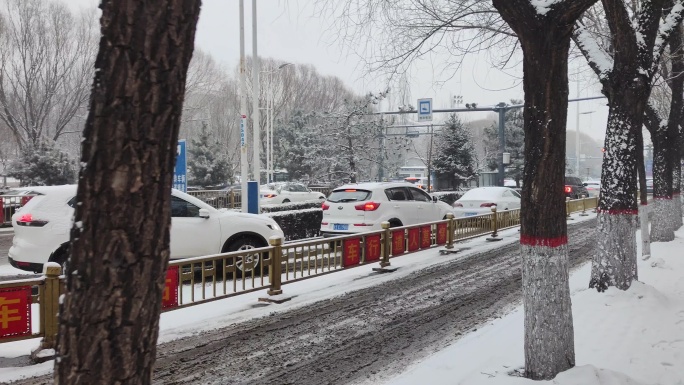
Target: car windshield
x,y
349,195
481,194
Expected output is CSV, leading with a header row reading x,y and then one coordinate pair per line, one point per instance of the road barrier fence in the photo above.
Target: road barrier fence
x,y
199,280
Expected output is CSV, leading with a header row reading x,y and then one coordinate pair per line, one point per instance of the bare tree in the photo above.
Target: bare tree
x,y
412,28
354,133
46,56
109,319
626,67
549,335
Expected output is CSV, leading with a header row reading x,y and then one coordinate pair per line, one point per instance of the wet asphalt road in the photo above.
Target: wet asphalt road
x,y
365,336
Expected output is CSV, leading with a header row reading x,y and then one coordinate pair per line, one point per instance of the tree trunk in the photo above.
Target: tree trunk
x,y
549,334
614,263
662,229
643,198
109,319
676,84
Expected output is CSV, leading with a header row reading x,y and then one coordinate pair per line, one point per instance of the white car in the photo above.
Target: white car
x,y
355,208
42,226
480,201
593,187
286,193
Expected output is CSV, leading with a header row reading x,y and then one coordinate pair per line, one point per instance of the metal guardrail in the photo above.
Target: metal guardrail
x,y
219,198
199,280
9,204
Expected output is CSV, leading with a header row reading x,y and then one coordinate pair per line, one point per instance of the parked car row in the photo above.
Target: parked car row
x,y
42,225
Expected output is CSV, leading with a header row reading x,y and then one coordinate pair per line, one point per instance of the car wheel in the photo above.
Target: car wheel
x,y
286,201
245,265
395,223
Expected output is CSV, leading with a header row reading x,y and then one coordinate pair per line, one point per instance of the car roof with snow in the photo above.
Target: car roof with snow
x,y
485,192
374,185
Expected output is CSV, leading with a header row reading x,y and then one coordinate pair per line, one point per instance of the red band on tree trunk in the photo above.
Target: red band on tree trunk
x,y
531,240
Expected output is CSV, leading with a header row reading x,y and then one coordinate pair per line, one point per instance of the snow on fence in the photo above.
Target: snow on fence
x,y
198,280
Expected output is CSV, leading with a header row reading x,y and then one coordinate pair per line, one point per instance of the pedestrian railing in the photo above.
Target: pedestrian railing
x,y
219,198
199,280
9,204
25,301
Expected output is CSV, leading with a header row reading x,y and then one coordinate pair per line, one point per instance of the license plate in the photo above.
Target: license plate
x,y
340,226
470,214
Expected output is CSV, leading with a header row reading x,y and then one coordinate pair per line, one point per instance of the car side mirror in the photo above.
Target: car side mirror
x,y
204,213
585,184
434,199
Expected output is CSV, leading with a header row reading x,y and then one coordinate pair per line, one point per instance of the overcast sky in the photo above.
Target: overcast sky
x,y
289,31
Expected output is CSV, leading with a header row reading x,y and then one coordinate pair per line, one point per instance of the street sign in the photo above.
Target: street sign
x,y
425,110
180,173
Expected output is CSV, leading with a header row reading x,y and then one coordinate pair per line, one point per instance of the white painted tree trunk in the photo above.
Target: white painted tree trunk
x,y
645,237
662,228
549,333
677,200
615,261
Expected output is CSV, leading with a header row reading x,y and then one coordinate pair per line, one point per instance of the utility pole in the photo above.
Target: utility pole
x,y
502,108
244,166
256,129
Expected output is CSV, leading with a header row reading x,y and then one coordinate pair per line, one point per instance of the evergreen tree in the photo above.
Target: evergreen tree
x,y
207,164
42,164
515,143
454,158
294,146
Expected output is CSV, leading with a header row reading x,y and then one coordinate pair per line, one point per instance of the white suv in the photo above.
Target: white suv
x,y
42,226
363,207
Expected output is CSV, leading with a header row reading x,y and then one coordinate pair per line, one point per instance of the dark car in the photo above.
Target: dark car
x,y
574,188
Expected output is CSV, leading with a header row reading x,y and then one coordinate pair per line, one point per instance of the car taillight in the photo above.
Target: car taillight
x,y
27,220
367,206
568,189
325,207
456,204
488,204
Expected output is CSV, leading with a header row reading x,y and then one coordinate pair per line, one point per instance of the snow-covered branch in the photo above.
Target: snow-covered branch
x,y
599,60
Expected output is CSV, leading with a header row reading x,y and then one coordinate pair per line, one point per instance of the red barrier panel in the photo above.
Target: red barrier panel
x,y
15,312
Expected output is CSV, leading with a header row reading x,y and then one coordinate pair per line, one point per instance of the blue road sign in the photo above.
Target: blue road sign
x,y
180,173
425,110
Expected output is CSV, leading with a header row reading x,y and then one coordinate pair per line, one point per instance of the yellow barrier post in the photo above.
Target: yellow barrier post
x,y
232,199
49,308
495,234
386,244
584,206
450,231
275,267
567,209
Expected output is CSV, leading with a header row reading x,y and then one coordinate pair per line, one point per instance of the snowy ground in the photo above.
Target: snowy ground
x,y
621,338
634,337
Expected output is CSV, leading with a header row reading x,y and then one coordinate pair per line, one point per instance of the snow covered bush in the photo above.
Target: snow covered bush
x,y
42,164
